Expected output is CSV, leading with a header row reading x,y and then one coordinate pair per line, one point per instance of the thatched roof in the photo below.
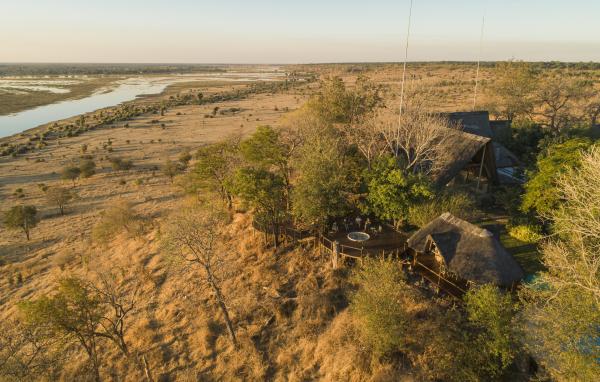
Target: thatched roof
x,y
461,148
470,252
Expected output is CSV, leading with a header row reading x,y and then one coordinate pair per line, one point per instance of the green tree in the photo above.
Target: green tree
x,y
492,341
71,173
328,178
541,193
379,305
214,167
264,191
74,312
391,192
265,149
336,104
21,217
60,197
562,311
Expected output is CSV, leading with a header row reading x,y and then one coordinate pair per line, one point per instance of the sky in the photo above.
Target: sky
x,y
302,31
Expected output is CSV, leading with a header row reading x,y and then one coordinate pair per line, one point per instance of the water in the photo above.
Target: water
x,y
129,90
126,91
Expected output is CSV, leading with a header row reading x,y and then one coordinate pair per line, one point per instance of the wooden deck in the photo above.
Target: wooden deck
x,y
386,242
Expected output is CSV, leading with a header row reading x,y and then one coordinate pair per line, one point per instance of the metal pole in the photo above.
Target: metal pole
x,y
403,75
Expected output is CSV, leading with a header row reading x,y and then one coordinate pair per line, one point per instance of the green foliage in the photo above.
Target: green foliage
x,y
70,173
264,192
74,314
493,346
327,181
458,204
336,104
213,169
526,233
21,217
562,311
263,148
541,194
379,305
526,139
391,192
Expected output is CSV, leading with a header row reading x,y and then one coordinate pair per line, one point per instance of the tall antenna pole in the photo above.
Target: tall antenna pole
x,y
478,60
403,75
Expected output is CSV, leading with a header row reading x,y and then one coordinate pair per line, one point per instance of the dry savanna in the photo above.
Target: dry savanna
x,y
308,228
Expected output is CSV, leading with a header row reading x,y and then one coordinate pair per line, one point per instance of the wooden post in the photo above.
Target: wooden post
x,y
481,167
335,254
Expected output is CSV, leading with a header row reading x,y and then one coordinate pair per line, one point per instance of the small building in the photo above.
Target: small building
x,y
468,154
507,167
461,251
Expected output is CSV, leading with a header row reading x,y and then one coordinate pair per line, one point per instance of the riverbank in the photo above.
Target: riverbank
x,y
122,91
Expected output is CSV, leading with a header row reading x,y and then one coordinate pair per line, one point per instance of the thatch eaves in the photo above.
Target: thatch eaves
x,y
470,252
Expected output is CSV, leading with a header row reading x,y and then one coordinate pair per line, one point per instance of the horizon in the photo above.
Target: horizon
x,y
281,32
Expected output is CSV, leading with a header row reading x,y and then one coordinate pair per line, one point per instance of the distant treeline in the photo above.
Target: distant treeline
x,y
367,66
99,69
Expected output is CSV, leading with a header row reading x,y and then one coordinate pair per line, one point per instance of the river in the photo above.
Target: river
x,y
126,90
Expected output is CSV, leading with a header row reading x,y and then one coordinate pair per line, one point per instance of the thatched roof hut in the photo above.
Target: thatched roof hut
x,y
463,150
469,252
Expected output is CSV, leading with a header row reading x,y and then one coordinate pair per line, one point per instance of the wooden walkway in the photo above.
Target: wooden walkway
x,y
388,242
431,273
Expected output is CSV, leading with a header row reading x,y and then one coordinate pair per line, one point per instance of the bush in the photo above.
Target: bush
x,y
116,219
87,168
379,305
70,173
526,232
120,164
458,204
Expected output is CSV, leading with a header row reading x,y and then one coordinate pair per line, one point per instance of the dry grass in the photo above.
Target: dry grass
x,y
288,306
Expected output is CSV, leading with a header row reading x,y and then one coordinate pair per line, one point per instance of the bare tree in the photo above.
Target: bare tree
x,y
120,292
27,352
193,235
60,197
577,259
418,136
556,95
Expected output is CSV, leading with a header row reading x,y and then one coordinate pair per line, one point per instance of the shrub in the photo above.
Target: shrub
x,y
526,232
120,164
116,219
87,168
70,173
378,305
458,204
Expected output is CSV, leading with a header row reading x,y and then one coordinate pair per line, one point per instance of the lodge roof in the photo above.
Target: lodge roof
x,y
470,252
